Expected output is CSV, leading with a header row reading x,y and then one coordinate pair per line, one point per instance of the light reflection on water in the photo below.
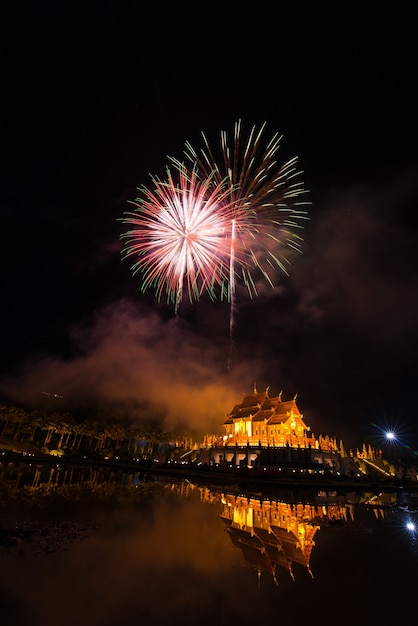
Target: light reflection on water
x,y
127,550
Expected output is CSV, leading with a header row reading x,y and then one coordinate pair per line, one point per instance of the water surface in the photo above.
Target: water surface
x,y
178,553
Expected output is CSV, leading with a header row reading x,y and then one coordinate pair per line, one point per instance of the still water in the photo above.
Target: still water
x,y
116,549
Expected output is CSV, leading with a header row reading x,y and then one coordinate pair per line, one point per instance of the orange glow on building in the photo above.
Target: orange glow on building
x,y
260,420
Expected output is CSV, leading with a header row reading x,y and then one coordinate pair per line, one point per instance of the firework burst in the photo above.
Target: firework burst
x,y
180,235
232,215
269,200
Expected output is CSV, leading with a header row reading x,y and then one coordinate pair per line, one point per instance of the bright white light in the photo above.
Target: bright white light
x,y
410,526
390,435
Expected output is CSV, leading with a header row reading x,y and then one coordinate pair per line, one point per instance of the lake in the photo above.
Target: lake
x,y
106,549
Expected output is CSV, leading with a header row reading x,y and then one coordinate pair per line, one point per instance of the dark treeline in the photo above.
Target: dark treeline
x,y
62,433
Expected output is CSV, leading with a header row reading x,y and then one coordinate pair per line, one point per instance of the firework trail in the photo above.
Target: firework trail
x,y
180,235
268,198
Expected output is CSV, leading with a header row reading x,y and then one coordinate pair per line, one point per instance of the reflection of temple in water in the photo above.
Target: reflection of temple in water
x,y
270,534
279,534
275,535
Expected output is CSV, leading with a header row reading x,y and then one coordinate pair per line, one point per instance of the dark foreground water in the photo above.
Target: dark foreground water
x,y
139,552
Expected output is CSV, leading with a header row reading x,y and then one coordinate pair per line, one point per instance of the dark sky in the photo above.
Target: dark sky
x,y
96,95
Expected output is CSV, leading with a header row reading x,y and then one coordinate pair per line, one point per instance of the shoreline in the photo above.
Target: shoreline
x,y
242,478
271,481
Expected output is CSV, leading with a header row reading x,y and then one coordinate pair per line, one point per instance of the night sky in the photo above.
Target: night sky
x,y
96,96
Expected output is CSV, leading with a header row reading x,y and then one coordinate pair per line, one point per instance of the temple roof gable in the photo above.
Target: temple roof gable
x,y
260,407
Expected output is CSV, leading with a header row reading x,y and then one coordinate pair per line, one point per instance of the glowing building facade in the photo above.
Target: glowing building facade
x,y
261,420
269,431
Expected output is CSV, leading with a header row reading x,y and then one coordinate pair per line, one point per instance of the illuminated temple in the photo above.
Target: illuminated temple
x,y
268,421
269,431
